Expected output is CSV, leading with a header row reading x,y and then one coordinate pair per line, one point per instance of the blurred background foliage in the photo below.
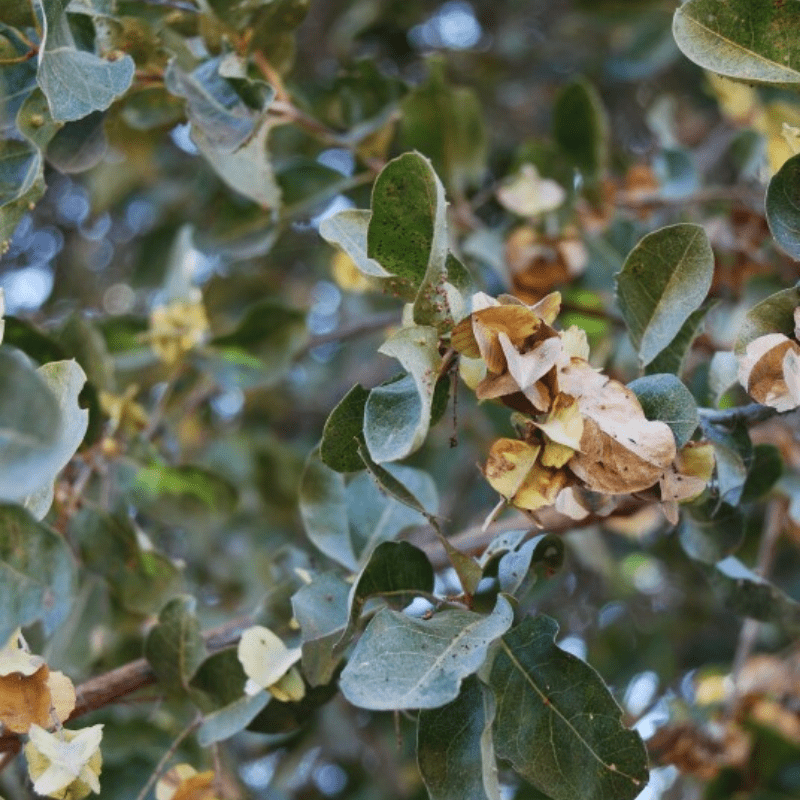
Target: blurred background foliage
x,y
188,477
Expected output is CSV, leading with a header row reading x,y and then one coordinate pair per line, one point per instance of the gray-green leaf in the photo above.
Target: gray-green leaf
x,y
36,572
710,531
580,126
750,40
65,379
320,609
30,426
405,662
558,724
75,82
454,747
774,314
664,397
672,357
783,206
665,278
343,430
397,415
749,595
407,232
174,647
323,507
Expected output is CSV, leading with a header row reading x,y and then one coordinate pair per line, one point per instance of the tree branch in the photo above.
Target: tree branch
x,y
749,415
103,690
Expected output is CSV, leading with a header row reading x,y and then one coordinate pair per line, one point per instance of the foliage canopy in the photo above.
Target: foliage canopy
x,y
276,275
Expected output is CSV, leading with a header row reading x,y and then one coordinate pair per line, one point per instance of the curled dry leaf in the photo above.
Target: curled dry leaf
x,y
563,429
183,782
29,693
699,752
538,264
769,371
518,346
621,451
513,469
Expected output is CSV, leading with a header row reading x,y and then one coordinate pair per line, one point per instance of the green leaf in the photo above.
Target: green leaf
x,y
545,551
446,124
81,338
396,568
36,572
174,647
66,380
35,122
324,507
151,108
320,609
347,230
783,207
664,280
745,593
733,452
397,415
220,678
30,426
264,342
404,662
246,170
407,232
774,314
230,720
765,471
389,483
672,357
141,580
454,747
78,145
21,183
709,532
212,490
580,126
75,82
343,429
664,397
376,518
225,109
750,40
558,724
347,520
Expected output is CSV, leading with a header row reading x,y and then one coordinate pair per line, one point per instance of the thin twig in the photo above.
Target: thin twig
x,y
774,519
710,194
167,756
272,76
363,328
749,415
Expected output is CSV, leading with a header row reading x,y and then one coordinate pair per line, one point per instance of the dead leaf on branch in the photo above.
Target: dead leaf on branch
x,y
769,370
621,450
30,694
